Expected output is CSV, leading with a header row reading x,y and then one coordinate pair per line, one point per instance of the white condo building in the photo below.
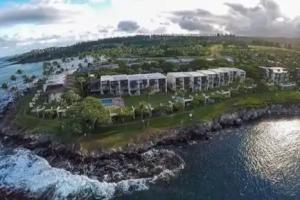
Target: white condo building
x,y
204,79
138,84
275,75
135,84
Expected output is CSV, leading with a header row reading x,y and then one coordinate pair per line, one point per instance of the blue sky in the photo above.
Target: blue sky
x,y
96,4
31,24
5,2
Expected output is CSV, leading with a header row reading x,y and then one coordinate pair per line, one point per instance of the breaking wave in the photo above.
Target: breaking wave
x,y
21,170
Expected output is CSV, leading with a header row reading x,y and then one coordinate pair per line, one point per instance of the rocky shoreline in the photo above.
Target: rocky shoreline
x,y
150,160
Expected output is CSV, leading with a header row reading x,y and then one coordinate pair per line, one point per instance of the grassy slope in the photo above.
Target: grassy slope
x,y
270,49
31,123
155,100
120,135
123,134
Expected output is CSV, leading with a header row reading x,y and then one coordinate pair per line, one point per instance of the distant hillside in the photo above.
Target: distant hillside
x,y
154,46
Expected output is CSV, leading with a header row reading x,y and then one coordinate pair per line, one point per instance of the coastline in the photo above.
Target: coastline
x,y
150,160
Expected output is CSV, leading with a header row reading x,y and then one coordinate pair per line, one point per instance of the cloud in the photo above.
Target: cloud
x,y
44,12
198,20
42,23
264,19
128,26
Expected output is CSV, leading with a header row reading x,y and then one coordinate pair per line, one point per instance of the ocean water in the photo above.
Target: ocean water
x,y
260,161
7,69
23,171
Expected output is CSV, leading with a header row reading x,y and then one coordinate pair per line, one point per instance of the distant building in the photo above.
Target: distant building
x,y
97,66
275,75
298,74
54,87
180,61
54,82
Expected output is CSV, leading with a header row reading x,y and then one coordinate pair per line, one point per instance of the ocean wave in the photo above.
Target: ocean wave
x,y
21,170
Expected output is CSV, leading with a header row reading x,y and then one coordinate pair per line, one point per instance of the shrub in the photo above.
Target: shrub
x,y
178,106
70,97
199,99
89,114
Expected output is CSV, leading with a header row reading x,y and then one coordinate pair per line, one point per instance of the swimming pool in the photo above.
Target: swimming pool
x,y
106,102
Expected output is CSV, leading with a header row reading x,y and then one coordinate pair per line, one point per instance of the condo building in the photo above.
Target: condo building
x,y
203,80
136,84
179,81
275,75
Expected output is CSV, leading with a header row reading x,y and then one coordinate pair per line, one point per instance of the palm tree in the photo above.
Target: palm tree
x,y
4,86
13,78
81,81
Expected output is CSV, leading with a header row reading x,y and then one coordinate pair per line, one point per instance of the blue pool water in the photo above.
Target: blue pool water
x,y
106,102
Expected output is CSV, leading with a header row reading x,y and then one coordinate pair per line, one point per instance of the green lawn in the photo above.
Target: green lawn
x,y
120,135
154,100
265,48
31,123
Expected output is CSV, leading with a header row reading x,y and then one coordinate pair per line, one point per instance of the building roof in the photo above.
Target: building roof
x,y
178,74
220,70
114,77
134,77
195,74
228,69
199,73
276,69
207,72
156,76
57,80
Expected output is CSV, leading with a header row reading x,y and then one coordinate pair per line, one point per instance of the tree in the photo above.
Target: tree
x,y
19,71
143,109
125,114
87,115
178,106
81,80
71,97
163,109
4,86
198,100
26,79
13,77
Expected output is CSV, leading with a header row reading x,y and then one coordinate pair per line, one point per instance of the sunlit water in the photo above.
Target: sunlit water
x,y
259,161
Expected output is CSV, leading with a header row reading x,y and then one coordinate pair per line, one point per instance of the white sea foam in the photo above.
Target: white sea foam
x,y
23,170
